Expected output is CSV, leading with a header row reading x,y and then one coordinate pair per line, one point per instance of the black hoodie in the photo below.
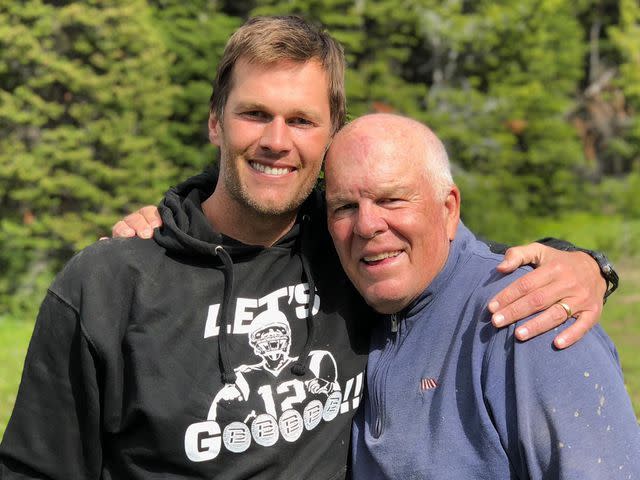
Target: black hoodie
x,y
128,376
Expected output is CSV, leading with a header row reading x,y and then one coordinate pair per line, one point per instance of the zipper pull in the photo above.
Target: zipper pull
x,y
394,323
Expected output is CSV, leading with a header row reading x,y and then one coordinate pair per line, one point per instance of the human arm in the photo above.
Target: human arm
x,y
562,413
571,277
54,430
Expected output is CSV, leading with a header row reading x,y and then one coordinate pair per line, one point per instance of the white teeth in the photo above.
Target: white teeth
x,y
269,170
382,256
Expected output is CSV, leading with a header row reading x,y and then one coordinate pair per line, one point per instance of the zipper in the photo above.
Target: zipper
x,y
394,323
379,377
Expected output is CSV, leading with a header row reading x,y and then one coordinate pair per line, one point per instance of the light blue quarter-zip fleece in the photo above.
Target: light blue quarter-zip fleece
x,y
451,397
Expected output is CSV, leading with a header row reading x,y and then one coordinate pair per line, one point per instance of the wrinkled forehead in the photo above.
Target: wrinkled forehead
x,y
371,152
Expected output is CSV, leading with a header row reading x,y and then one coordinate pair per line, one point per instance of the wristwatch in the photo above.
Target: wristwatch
x,y
606,269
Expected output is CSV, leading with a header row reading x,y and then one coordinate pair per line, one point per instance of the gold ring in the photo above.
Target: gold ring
x,y
567,309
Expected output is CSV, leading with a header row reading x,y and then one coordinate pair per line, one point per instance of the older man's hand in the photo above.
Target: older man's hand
x,y
140,223
572,278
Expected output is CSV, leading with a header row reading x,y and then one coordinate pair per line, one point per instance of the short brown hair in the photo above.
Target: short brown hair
x,y
266,40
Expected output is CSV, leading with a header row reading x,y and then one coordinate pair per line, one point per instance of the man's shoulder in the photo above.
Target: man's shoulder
x,y
475,283
481,268
104,262
113,253
477,265
489,281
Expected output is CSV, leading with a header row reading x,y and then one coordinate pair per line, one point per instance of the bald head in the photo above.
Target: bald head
x,y
392,207
380,132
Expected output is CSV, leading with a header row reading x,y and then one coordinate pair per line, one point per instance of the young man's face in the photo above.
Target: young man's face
x,y
390,230
275,129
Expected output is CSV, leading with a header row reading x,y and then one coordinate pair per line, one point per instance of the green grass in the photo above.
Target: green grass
x,y
622,322
620,319
14,339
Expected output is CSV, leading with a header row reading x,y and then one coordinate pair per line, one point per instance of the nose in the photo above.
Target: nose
x,y
369,222
275,136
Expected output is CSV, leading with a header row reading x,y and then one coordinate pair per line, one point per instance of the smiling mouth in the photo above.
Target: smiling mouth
x,y
381,256
270,170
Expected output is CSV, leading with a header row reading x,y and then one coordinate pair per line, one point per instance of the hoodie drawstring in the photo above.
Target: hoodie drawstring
x,y
299,368
228,375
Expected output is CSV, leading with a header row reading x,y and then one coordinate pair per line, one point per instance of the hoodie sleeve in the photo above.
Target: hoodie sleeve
x,y
558,244
54,431
563,413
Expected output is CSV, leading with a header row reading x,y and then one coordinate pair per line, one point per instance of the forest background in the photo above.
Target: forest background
x,y
104,105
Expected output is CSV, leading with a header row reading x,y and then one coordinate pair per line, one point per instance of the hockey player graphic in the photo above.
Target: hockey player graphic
x,y
276,402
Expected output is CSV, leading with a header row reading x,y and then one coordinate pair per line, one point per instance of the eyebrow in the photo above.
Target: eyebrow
x,y
249,106
337,199
386,191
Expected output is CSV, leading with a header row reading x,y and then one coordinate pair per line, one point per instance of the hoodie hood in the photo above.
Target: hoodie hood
x,y
187,231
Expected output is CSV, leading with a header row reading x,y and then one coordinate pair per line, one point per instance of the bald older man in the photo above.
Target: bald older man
x,y
447,395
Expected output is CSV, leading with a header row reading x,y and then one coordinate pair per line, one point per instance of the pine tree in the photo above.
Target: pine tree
x,y
195,34
626,38
84,100
501,78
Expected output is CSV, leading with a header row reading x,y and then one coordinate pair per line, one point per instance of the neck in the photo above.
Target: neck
x,y
245,224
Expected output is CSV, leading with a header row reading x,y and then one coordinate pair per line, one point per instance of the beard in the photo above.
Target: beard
x,y
279,206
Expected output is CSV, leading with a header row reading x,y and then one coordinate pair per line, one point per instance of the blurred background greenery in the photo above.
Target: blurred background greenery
x,y
103,106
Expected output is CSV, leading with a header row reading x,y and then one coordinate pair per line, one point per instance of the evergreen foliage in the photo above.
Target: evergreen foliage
x,y
626,38
489,98
195,33
84,105
104,104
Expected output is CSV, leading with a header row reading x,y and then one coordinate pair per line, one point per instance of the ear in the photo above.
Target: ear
x,y
452,211
215,129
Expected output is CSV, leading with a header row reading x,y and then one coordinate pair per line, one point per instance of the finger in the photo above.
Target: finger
x,y
550,318
533,287
121,229
532,303
584,322
151,215
516,257
139,224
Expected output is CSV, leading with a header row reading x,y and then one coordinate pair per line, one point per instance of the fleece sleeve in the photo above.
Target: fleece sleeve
x,y
563,413
54,430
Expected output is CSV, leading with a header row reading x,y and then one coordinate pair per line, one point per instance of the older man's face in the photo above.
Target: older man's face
x,y
391,232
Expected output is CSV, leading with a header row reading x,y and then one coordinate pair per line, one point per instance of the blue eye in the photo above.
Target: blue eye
x,y
300,121
255,114
345,207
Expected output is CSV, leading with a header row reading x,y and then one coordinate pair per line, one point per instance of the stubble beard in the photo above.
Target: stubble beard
x,y
241,194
